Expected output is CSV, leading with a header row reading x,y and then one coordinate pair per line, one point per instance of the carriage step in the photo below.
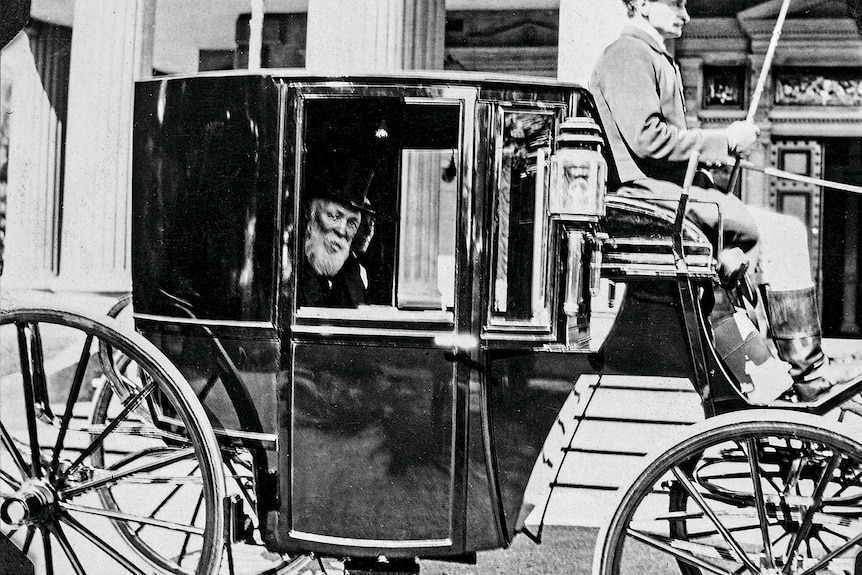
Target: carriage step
x,y
366,566
825,403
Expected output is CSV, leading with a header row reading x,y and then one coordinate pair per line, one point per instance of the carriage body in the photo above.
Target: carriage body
x,y
410,425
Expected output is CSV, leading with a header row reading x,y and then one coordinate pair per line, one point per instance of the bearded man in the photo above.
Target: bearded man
x,y
330,275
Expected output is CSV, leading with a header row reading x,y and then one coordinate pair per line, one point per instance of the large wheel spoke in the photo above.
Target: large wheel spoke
x,y
130,518
57,530
101,544
97,442
115,477
692,491
28,539
832,555
817,501
759,503
712,532
13,450
27,377
74,391
9,480
187,538
662,544
165,501
46,548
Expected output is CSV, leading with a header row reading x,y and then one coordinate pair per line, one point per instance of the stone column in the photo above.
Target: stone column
x,y
378,36
37,134
387,36
111,47
420,236
586,29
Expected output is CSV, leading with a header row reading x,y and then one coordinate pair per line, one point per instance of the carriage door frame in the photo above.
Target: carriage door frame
x,y
390,334
523,285
802,200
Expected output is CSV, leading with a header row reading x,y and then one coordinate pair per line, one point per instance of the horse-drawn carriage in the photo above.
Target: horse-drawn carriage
x,y
250,426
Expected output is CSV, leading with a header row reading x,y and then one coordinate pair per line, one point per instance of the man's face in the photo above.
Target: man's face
x,y
668,17
330,231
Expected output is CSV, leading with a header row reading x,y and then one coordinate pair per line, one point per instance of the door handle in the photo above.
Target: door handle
x,y
456,341
457,347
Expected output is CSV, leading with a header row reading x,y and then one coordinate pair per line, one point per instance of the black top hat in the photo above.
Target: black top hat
x,y
344,179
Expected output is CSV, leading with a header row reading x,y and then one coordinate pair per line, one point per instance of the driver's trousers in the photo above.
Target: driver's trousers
x,y
776,244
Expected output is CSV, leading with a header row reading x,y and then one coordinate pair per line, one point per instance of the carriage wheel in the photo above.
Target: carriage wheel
x,y
786,499
55,464
248,556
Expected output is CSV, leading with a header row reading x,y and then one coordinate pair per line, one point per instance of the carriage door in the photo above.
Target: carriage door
x,y
796,198
377,419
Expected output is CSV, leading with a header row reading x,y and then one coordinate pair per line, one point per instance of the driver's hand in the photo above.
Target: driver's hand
x,y
741,138
732,265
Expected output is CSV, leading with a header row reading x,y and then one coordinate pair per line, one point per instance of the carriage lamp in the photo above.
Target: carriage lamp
x,y
578,170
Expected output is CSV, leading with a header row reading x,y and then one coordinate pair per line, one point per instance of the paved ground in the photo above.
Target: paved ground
x,y
566,550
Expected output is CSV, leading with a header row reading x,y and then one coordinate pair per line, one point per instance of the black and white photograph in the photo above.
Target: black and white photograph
x,y
437,287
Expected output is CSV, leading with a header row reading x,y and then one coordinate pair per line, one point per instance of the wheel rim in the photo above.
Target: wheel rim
x,y
249,557
55,465
803,518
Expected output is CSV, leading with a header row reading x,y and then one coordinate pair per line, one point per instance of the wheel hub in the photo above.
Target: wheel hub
x,y
32,502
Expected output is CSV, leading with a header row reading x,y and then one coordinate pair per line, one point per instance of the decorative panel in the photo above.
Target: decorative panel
x,y
796,198
818,87
724,86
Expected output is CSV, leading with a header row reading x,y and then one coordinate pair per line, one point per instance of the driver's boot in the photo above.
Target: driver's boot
x,y
795,328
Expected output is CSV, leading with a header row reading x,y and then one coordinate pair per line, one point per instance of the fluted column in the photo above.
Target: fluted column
x,y
37,122
586,29
111,47
378,36
420,235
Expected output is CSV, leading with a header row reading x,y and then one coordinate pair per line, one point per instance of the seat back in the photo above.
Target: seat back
x,y
640,241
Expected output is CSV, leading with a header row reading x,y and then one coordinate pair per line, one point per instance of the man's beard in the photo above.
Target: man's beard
x,y
325,251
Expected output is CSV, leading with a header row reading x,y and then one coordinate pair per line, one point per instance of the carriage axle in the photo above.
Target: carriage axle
x,y
32,501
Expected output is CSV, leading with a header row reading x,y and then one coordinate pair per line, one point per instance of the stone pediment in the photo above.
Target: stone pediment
x,y
816,31
799,9
489,28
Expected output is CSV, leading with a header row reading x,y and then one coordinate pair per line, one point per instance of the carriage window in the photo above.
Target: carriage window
x,y
379,204
520,218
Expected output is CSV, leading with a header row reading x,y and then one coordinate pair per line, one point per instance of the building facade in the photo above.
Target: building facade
x,y
67,92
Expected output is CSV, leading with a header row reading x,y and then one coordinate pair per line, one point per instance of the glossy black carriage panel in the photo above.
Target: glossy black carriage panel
x,y
371,436
234,375
410,396
205,197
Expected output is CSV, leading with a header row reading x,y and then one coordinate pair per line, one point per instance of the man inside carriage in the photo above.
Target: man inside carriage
x,y
339,227
639,95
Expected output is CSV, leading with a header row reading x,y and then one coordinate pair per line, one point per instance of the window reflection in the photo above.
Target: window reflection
x,y
427,243
520,217
379,204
